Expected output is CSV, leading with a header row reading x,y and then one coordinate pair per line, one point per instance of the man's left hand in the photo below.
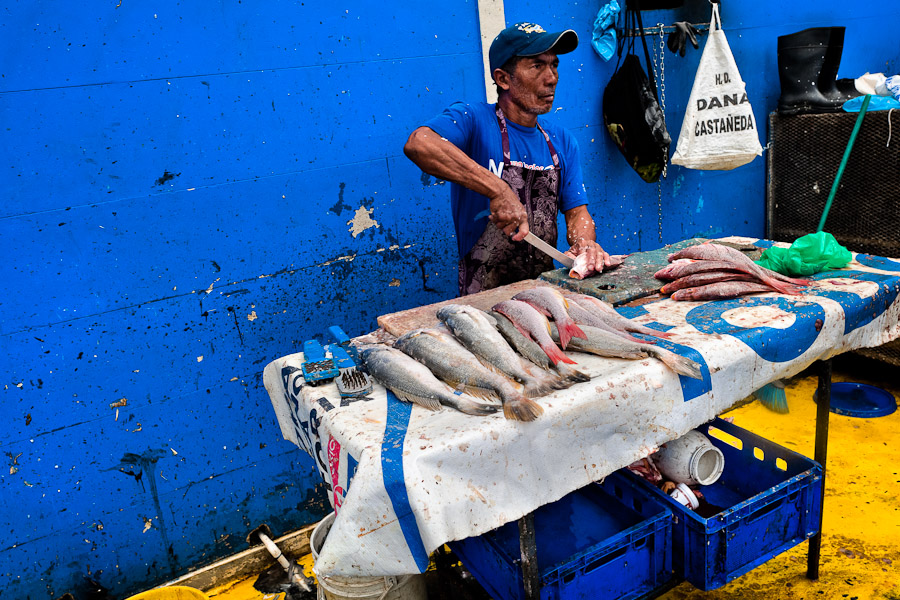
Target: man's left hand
x,y
596,257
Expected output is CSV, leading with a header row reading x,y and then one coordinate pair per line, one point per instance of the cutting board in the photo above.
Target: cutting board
x,y
399,323
634,278
631,280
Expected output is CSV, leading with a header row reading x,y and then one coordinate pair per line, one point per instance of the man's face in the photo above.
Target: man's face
x,y
532,84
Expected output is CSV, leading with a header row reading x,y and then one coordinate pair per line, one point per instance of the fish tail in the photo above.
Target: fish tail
x,y
571,374
680,364
555,354
780,286
775,284
567,330
648,331
537,387
521,409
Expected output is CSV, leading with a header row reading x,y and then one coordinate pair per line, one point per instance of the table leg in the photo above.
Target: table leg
x,y
823,410
528,547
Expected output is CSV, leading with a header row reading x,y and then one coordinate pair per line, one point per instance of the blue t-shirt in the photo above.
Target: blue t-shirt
x,y
473,128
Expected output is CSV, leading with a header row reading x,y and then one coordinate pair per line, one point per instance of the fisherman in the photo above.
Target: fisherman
x,y
510,171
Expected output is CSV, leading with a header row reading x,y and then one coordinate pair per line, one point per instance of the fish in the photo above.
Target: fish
x,y
413,382
534,325
721,290
698,279
683,268
552,303
477,332
607,313
584,317
579,269
525,346
723,251
740,261
451,362
602,343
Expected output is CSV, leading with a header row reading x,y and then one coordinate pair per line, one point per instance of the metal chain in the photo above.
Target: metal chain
x,y
661,78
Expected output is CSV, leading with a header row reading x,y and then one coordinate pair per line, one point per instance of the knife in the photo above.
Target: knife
x,y
539,244
548,249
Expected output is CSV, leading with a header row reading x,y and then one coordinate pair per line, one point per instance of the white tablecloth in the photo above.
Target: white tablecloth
x,y
422,478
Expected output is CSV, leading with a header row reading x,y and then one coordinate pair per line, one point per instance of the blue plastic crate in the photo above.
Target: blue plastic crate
x,y
770,498
597,542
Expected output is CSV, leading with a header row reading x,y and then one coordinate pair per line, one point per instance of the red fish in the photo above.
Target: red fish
x,y
551,303
721,291
683,268
699,279
533,325
739,261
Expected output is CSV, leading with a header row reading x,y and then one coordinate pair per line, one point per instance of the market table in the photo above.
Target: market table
x,y
422,478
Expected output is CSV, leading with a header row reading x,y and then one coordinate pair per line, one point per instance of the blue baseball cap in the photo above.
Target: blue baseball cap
x,y
529,39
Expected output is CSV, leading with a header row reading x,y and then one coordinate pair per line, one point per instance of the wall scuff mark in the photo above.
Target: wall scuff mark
x,y
362,221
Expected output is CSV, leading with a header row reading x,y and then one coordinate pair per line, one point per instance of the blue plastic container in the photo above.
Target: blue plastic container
x,y
603,541
770,498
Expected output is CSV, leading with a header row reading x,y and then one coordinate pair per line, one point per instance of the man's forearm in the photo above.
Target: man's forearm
x,y
579,226
436,156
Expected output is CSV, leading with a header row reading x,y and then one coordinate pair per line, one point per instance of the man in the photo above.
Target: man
x,y
506,163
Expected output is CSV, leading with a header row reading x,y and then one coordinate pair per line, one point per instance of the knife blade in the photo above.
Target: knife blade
x,y
548,249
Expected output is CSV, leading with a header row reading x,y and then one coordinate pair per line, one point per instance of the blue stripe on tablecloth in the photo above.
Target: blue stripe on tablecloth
x,y
398,414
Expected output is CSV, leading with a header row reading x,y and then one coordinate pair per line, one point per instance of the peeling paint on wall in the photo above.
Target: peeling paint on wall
x,y
362,220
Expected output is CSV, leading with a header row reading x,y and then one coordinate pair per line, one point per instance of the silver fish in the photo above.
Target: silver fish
x,y
411,381
603,343
477,332
607,313
582,316
454,364
550,302
530,350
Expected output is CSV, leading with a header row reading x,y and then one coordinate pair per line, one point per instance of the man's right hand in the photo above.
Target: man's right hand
x,y
508,214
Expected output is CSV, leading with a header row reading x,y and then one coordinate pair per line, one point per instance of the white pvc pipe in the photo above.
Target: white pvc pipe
x,y
278,555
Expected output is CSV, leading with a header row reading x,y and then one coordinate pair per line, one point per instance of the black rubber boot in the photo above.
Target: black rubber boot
x,y
831,87
802,68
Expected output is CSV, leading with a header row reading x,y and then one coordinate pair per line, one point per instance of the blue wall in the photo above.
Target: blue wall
x,y
193,189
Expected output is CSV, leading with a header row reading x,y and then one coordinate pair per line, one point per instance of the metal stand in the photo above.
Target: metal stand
x,y
823,410
531,575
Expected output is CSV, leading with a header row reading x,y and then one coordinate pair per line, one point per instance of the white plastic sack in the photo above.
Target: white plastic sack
x,y
719,131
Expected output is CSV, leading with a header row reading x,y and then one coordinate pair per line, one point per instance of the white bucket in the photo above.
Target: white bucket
x,y
691,459
403,587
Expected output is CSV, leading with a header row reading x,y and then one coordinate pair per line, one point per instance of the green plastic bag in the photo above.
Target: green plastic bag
x,y
808,255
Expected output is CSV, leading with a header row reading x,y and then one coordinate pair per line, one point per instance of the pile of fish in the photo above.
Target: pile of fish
x,y
711,271
513,354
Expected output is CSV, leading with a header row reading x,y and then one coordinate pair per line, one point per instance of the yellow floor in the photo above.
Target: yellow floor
x,y
860,557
